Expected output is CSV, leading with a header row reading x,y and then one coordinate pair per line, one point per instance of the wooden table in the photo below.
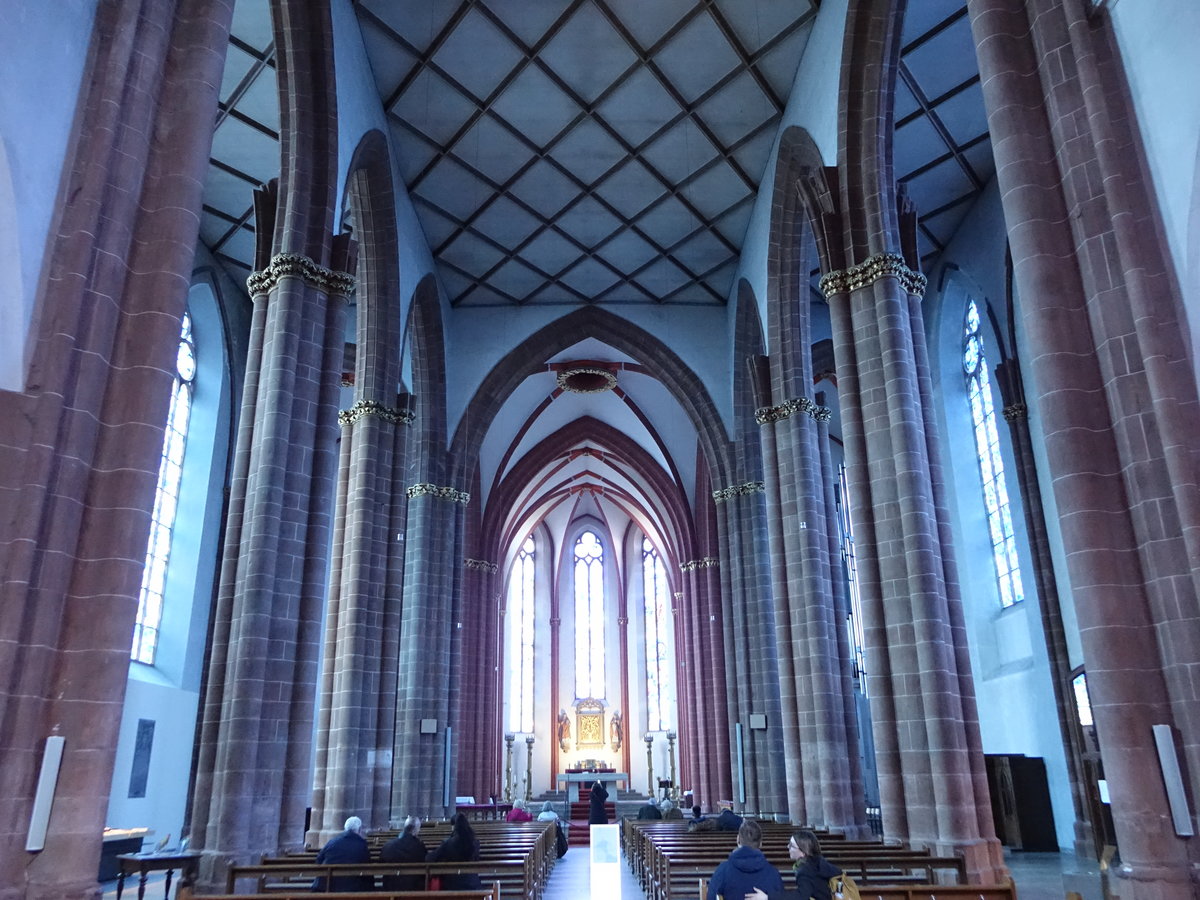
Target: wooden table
x,y
188,865
116,842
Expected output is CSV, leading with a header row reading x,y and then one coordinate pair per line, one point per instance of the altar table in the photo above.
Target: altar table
x,y
574,779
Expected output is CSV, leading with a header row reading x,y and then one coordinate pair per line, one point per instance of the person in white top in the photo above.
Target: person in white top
x,y
547,814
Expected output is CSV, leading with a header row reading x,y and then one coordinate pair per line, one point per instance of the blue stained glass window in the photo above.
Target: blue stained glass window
x,y
654,590
166,503
991,467
520,639
589,616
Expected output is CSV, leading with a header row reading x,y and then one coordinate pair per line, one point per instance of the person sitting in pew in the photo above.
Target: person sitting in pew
x,y
670,810
547,814
728,820
518,813
407,848
649,811
461,846
747,870
813,871
348,847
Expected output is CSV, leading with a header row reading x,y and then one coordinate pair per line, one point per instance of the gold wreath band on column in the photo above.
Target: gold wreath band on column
x,y
765,415
438,492
738,490
881,265
705,562
377,410
294,265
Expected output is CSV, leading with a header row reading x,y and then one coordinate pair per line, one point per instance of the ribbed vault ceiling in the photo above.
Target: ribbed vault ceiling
x,y
594,151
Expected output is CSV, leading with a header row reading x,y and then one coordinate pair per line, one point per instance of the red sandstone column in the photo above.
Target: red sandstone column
x,y
80,450
253,781
1126,513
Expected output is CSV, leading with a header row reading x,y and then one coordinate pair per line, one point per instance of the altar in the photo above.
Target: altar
x,y
574,779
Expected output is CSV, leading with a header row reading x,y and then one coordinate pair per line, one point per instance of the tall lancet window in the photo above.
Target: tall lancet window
x,y
166,501
520,639
589,616
991,467
654,586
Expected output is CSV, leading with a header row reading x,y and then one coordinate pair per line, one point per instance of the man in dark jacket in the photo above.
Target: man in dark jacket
x,y
347,848
746,869
407,848
728,820
650,811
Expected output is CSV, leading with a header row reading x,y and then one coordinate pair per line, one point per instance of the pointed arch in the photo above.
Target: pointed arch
x,y
370,199
427,343
671,495
592,322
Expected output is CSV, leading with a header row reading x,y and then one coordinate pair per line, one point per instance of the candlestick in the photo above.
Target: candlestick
x,y
649,739
508,756
529,768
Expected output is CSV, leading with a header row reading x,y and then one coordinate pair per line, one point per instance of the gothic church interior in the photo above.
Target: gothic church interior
x,y
791,405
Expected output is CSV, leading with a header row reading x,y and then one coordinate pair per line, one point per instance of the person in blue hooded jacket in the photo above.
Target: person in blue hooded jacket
x,y
813,871
747,868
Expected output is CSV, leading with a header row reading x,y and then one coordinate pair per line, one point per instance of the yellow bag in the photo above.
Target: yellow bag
x,y
842,887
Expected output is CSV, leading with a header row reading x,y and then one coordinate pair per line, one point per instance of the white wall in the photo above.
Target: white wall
x,y
1009,660
43,48
1157,40
168,692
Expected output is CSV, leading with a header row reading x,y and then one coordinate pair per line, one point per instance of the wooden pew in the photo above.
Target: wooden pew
x,y
920,891
492,893
517,856
669,861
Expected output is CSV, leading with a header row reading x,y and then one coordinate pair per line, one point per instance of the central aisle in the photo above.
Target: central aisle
x,y
572,880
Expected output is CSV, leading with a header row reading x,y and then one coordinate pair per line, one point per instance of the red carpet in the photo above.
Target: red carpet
x,y
579,833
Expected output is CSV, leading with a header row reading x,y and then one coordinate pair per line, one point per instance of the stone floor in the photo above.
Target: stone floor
x,y
1038,876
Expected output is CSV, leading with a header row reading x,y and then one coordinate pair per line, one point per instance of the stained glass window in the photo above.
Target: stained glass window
x,y
589,616
520,639
991,467
655,588
166,501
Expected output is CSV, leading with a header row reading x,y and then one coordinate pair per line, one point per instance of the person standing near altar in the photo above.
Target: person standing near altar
x,y
597,812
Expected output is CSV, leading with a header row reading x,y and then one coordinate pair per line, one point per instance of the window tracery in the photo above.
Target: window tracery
x,y
520,635
166,501
991,466
654,591
589,616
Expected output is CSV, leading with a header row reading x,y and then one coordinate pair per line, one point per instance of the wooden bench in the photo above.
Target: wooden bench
x,y
669,862
920,891
518,857
492,893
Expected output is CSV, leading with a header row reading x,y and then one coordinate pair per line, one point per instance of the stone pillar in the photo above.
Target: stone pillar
x,y
81,445
428,686
357,718
253,780
478,719
749,647
922,698
1117,399
820,737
